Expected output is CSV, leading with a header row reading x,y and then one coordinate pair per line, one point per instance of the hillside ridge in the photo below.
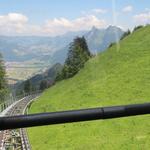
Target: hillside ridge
x,y
117,76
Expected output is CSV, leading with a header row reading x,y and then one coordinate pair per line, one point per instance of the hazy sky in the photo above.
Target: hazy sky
x,y
54,17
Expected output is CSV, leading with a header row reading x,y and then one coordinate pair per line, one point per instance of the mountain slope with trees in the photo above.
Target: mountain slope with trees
x,y
39,81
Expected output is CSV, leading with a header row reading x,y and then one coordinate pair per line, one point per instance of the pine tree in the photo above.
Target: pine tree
x,y
77,56
43,85
27,86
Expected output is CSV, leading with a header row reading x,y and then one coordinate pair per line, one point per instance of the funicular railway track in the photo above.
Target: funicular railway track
x,y
16,139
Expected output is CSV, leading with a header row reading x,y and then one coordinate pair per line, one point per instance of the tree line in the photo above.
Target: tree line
x,y
3,83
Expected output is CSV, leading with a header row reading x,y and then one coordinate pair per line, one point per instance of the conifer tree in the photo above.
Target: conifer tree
x,y
77,56
43,85
27,86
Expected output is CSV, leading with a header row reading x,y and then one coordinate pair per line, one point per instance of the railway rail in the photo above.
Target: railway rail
x,y
16,139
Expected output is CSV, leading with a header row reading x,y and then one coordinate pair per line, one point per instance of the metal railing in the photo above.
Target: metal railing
x,y
18,139
13,98
41,119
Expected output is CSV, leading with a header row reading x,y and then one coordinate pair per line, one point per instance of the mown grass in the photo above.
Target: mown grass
x,y
120,75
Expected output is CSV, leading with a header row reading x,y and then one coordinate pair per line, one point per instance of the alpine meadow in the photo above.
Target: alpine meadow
x,y
120,75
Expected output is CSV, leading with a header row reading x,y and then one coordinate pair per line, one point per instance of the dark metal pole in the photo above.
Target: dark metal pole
x,y
23,121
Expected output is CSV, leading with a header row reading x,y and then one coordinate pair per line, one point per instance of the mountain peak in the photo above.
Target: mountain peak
x,y
111,27
94,28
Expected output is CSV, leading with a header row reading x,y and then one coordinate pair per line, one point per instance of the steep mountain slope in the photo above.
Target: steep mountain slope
x,y
117,76
49,75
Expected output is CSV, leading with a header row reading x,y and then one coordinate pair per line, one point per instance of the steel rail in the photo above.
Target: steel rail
x,y
18,108
23,121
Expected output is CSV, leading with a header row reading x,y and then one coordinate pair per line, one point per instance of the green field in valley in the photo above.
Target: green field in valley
x,y
119,75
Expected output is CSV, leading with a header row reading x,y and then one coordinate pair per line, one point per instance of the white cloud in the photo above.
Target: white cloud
x,y
95,11
63,25
147,9
13,18
128,8
99,11
13,22
18,24
142,17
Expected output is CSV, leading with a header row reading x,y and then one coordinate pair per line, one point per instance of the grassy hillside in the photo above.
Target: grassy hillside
x,y
120,75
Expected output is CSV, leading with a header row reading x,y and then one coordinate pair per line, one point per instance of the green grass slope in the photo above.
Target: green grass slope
x,y
120,75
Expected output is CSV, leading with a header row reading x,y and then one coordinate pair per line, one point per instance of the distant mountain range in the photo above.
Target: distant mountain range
x,y
42,52
30,47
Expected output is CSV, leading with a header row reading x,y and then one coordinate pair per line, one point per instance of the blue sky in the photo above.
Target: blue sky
x,y
54,17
